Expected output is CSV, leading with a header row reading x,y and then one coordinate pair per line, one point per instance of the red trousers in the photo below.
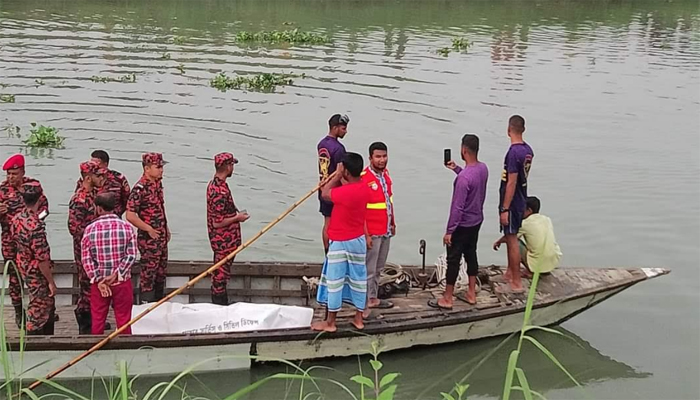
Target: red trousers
x,y
121,300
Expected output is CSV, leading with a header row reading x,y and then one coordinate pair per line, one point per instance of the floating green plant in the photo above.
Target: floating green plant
x,y
460,44
7,98
179,40
44,136
128,78
181,68
286,36
265,82
165,56
445,51
39,82
12,130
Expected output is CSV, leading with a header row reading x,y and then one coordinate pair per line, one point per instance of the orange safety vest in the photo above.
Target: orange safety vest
x,y
377,218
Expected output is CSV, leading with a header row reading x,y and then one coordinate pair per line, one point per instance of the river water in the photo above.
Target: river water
x,y
610,91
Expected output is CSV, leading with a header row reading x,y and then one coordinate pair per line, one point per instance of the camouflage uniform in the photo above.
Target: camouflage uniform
x,y
29,234
147,201
81,212
116,183
12,197
224,240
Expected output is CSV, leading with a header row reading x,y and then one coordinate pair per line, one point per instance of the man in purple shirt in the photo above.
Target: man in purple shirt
x,y
466,216
330,153
513,196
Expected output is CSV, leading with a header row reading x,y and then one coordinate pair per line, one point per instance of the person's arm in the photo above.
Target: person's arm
x,y
333,182
125,191
77,215
43,255
43,203
458,205
132,208
86,256
130,253
453,166
499,242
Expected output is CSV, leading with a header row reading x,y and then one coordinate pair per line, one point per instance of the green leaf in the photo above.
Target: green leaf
x,y
388,378
447,396
461,389
388,393
542,328
376,364
29,393
512,363
551,357
363,380
523,383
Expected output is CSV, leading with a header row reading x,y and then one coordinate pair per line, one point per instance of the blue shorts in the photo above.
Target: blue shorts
x,y
325,208
515,221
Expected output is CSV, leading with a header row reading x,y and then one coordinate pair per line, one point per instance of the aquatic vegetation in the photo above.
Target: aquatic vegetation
x,y
445,51
179,40
181,68
294,36
39,82
7,98
165,56
44,136
264,82
460,44
12,130
128,78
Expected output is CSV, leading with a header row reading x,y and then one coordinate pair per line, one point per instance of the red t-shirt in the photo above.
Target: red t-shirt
x,y
349,209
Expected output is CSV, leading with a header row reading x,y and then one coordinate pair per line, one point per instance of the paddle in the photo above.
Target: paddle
x,y
174,293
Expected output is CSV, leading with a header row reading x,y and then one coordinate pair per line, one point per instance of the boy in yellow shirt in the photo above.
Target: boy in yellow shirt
x,y
538,246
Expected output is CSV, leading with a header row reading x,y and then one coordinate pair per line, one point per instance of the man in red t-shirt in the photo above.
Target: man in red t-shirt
x,y
344,275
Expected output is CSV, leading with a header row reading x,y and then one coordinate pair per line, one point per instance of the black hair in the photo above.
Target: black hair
x,y
31,197
106,201
533,203
517,123
376,146
338,119
354,164
471,142
100,155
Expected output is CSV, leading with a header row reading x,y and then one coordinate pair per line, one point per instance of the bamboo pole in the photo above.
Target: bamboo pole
x,y
174,293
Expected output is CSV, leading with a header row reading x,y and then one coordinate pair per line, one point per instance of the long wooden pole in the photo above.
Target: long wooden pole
x,y
174,293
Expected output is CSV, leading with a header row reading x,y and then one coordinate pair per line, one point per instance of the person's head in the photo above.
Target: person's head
x,y
532,206
93,173
14,168
153,165
378,156
470,146
105,203
516,125
31,195
338,125
224,162
352,166
101,157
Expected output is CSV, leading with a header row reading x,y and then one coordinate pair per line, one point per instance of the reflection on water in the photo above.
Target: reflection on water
x,y
609,90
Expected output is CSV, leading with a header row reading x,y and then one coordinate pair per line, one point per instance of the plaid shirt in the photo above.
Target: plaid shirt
x,y
108,246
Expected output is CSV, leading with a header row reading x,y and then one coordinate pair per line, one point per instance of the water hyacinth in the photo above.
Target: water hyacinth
x,y
294,36
128,78
264,82
7,98
44,136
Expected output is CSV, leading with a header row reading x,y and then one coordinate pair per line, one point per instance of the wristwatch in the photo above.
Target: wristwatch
x,y
504,210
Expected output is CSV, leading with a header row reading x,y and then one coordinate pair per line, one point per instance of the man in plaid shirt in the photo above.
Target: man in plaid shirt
x,y
108,252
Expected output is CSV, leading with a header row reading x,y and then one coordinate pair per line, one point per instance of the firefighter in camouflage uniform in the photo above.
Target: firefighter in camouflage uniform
x,y
34,263
223,223
115,182
81,212
11,204
146,211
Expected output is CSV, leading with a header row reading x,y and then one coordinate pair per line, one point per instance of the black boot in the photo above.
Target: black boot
x,y
159,290
147,297
20,318
48,327
220,299
84,322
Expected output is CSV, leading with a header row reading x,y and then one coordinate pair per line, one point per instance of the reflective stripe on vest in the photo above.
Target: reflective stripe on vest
x,y
379,206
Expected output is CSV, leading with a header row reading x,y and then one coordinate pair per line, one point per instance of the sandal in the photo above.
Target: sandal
x,y
463,296
434,304
384,304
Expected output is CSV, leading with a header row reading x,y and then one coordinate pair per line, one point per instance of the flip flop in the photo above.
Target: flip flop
x,y
462,296
384,304
434,304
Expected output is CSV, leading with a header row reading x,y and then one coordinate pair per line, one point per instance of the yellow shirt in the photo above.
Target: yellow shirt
x,y
543,252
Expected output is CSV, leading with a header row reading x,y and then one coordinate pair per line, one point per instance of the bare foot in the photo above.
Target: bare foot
x,y
323,326
373,303
471,297
516,286
507,275
357,322
444,303
525,273
366,313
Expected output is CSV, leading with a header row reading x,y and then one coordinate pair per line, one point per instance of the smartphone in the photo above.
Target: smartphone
x,y
448,156
43,215
243,211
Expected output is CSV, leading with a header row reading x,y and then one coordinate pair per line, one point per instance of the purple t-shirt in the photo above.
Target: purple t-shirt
x,y
518,160
330,153
468,197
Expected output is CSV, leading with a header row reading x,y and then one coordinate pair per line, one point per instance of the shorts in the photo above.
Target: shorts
x,y
515,221
325,208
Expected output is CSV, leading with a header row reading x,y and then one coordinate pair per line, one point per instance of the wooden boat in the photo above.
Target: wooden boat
x,y
561,295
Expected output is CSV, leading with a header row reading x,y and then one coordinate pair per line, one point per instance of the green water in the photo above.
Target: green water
x,y
610,91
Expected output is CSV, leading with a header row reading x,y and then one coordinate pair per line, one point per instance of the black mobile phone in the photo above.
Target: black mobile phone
x,y
448,156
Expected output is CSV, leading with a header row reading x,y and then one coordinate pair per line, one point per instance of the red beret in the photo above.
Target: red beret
x,y
223,158
16,161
